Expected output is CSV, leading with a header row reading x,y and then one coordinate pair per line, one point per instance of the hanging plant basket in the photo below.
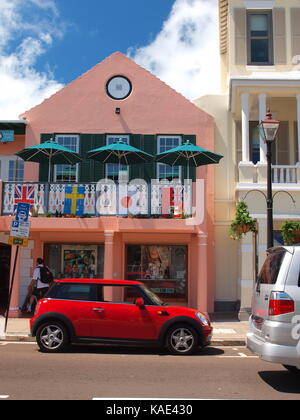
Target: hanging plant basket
x,y
243,222
243,228
290,232
296,238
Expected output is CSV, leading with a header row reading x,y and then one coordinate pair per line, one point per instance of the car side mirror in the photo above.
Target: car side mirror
x,y
140,302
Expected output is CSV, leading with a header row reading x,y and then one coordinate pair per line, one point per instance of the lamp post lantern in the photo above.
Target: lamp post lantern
x,y
268,130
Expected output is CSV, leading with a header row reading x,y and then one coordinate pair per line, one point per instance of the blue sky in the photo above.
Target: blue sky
x,y
45,44
96,31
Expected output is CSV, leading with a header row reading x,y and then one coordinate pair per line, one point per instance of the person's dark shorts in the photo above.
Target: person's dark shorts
x,y
40,293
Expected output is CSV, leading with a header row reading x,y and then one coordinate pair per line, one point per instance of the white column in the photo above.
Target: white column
x,y
245,127
298,124
262,100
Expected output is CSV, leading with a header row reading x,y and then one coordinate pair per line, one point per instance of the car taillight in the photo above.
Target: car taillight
x,y
280,303
37,307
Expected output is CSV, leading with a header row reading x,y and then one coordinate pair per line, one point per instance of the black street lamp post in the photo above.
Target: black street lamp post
x,y
268,130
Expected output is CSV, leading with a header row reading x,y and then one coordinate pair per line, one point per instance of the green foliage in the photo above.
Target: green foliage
x,y
243,222
289,229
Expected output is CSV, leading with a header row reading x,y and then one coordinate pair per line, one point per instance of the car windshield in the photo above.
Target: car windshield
x,y
152,296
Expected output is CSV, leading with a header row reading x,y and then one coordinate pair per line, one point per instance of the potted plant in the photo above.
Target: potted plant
x,y
290,232
243,222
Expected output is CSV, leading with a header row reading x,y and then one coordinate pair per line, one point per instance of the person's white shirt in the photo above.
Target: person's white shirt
x,y
37,276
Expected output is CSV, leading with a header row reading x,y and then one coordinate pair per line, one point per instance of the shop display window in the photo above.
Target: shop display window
x,y
163,268
75,261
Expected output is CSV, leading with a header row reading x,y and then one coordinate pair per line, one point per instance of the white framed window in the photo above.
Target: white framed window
x,y
260,37
16,170
112,169
165,143
67,173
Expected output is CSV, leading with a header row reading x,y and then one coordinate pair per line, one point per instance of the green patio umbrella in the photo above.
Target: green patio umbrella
x,y
120,153
49,152
188,155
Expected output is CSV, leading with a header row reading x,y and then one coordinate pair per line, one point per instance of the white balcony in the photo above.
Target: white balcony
x,y
104,198
284,174
255,176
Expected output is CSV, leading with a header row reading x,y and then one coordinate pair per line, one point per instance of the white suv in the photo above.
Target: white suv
x,y
274,329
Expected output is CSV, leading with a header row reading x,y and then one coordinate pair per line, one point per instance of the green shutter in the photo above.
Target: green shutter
x,y
149,145
192,169
44,167
90,170
136,171
98,140
86,167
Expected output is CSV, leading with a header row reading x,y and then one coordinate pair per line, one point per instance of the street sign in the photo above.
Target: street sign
x,y
20,227
19,233
22,212
7,136
18,241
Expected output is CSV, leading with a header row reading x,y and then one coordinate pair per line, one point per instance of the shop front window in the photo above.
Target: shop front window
x,y
163,268
69,261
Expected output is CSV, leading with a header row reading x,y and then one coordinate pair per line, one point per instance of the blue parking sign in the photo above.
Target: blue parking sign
x,y
22,212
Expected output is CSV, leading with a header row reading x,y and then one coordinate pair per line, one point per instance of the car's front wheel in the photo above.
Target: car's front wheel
x,y
182,339
52,337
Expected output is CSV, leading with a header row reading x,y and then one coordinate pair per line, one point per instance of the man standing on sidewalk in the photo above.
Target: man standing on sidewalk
x,y
41,282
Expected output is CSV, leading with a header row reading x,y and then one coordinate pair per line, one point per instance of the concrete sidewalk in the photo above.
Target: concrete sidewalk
x,y
226,332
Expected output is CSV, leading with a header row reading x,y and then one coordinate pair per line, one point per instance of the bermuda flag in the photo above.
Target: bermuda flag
x,y
24,194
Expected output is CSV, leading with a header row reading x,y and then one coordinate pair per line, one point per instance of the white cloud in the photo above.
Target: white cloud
x,y
185,54
27,30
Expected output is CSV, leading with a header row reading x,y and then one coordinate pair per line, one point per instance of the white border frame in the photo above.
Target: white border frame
x,y
77,151
158,151
122,136
4,167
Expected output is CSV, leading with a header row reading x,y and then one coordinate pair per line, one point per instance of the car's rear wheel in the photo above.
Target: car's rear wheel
x,y
52,337
292,369
182,339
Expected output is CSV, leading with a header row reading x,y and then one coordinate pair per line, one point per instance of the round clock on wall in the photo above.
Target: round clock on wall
x,y
118,87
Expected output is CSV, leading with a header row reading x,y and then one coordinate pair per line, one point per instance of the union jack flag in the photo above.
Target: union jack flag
x,y
24,194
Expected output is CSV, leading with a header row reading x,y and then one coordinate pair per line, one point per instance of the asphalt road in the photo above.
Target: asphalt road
x,y
87,373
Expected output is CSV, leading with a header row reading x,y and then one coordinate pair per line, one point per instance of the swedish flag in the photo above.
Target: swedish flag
x,y
74,200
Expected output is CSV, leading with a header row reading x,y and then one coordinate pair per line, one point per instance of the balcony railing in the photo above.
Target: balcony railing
x,y
257,174
104,198
284,174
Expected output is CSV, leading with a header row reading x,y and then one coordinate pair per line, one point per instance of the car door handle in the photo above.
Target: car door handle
x,y
98,309
266,297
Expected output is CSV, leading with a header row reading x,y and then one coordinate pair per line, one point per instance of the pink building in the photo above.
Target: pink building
x,y
85,228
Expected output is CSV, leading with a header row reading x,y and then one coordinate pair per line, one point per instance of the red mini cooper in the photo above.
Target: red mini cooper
x,y
115,312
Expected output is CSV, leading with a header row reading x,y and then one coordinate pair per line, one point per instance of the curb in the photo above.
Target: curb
x,y
228,343
14,338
